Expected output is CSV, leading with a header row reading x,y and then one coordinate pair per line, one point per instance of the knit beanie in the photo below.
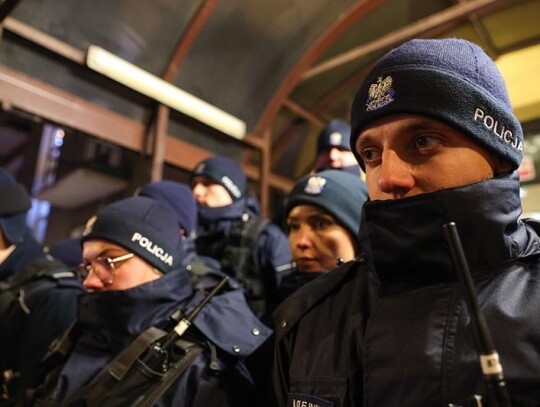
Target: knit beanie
x,y
14,203
225,172
178,197
141,225
337,192
451,80
335,134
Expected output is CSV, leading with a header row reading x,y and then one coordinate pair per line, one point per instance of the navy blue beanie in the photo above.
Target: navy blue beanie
x,y
336,133
14,203
451,80
337,192
225,172
178,197
141,225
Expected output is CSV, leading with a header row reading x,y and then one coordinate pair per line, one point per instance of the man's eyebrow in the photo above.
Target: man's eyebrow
x,y
417,125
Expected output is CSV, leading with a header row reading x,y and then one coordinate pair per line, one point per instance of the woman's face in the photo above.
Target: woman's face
x,y
316,240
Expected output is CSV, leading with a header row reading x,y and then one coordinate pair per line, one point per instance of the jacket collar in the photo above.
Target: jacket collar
x,y
129,312
409,232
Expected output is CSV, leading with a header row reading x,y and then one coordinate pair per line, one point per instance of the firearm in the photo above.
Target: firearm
x,y
489,358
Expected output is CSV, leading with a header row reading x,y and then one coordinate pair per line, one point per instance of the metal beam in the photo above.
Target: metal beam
x,y
186,41
160,135
30,95
303,113
44,40
449,15
348,18
6,8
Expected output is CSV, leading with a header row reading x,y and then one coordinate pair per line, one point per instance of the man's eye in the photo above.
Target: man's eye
x,y
292,226
426,142
369,155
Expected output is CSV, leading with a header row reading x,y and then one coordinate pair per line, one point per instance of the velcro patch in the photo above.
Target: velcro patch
x,y
305,400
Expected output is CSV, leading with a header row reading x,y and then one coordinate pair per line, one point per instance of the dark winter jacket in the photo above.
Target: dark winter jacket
x,y
392,328
40,312
110,320
272,252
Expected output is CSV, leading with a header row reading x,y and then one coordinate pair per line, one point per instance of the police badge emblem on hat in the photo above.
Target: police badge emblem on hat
x,y
200,168
335,138
89,225
314,185
380,93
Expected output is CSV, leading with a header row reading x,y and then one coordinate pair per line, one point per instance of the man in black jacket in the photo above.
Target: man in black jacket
x,y
433,128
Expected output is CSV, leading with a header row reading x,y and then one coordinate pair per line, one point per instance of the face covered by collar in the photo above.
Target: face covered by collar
x,y
409,232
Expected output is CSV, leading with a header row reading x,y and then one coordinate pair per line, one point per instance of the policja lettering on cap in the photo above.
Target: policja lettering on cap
x,y
152,248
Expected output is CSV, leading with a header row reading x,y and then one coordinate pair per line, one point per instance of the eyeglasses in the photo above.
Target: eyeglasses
x,y
102,267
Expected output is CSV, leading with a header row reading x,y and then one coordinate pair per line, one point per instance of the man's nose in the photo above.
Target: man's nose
x,y
92,282
199,190
395,176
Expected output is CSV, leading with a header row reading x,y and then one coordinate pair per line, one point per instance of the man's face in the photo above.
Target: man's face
x,y
316,240
335,157
122,275
208,192
407,155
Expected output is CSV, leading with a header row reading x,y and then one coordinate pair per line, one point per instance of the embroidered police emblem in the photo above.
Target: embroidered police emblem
x,y
314,185
200,168
89,225
335,138
380,93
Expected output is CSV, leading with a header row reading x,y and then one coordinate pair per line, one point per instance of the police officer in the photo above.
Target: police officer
x,y
134,279
435,132
323,219
333,148
38,296
220,189
205,271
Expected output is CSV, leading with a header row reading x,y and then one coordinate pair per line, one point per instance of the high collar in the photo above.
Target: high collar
x,y
407,240
129,312
208,215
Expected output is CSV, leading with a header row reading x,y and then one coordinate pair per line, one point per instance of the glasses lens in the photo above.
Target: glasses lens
x,y
103,269
82,271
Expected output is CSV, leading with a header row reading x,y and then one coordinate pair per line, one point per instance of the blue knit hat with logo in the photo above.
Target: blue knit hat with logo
x,y
178,197
142,226
14,203
451,80
336,133
225,172
338,193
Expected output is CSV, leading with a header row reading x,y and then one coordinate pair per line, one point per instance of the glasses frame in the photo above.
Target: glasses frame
x,y
85,269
